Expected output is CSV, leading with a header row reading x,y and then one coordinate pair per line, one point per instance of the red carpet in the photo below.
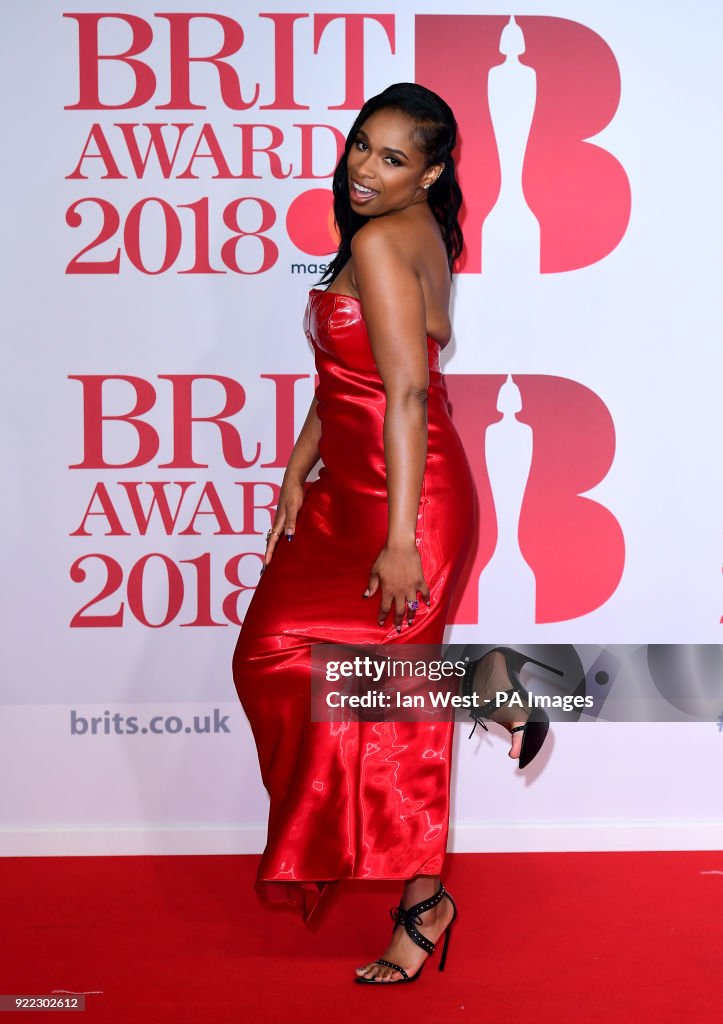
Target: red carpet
x,y
575,937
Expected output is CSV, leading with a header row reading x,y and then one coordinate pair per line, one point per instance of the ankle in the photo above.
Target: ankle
x,y
419,889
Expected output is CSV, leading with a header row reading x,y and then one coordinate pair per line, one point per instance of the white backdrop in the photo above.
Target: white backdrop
x,y
637,328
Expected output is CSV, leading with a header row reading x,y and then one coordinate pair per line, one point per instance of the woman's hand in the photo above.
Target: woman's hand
x,y
291,498
398,571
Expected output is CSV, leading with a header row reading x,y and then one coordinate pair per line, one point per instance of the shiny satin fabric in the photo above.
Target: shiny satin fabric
x,y
351,799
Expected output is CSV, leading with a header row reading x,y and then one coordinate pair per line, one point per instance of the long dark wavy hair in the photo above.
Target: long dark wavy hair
x,y
435,135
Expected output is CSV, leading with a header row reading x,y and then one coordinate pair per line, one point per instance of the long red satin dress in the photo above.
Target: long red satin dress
x,y
360,799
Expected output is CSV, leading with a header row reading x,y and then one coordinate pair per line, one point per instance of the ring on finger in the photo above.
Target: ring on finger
x,y
412,605
271,533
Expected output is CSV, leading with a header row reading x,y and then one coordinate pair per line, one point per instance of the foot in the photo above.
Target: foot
x,y
402,950
491,678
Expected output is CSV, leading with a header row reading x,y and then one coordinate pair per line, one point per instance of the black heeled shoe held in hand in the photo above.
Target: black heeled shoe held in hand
x,y
535,728
410,918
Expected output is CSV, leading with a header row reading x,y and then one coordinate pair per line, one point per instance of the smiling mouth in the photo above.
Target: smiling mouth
x,y
362,190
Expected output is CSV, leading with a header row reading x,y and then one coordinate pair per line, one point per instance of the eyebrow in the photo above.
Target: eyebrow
x,y
387,148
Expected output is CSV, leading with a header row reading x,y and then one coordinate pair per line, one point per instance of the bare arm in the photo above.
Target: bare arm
x,y
394,313
303,458
305,454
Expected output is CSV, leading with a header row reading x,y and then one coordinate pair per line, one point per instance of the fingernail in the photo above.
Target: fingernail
x,y
262,570
289,536
366,593
398,629
428,603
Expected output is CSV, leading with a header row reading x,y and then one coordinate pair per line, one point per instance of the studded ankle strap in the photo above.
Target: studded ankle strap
x,y
410,918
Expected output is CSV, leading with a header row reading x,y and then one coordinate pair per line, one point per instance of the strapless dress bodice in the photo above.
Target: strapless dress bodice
x,y
334,325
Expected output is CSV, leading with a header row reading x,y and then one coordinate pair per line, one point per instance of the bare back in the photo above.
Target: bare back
x,y
417,236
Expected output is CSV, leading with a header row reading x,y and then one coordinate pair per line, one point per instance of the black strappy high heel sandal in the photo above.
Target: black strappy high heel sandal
x,y
410,919
535,728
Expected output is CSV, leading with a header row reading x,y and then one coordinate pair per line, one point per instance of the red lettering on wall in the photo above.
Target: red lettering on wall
x,y
89,60
284,62
183,420
181,60
573,544
354,51
94,418
578,191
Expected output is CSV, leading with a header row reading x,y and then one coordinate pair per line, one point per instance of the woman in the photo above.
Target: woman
x,y
389,518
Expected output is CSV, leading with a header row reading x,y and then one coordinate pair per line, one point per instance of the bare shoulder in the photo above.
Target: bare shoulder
x,y
376,235
399,270
381,247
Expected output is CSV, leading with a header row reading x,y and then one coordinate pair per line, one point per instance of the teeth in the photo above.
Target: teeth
x,y
361,188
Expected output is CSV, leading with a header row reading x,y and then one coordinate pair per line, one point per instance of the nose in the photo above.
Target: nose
x,y
362,169
364,164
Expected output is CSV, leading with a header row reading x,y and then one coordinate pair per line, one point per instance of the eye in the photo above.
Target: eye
x,y
397,163
359,142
